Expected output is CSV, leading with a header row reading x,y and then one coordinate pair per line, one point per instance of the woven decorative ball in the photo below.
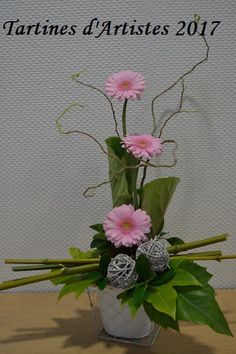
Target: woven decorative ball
x,y
155,251
121,272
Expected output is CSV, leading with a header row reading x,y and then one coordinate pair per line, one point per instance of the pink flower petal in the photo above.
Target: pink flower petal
x,y
126,226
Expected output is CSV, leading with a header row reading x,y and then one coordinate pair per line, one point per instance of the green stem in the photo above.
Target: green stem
x,y
124,117
52,261
206,258
38,267
144,176
47,276
200,243
199,254
134,189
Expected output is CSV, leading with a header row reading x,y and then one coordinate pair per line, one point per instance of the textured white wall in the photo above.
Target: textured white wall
x,y
43,174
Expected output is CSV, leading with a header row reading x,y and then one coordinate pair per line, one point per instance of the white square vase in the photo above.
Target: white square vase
x,y
114,321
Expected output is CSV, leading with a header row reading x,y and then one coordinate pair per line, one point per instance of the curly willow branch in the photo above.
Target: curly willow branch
x,y
74,77
92,189
176,82
148,164
67,132
179,110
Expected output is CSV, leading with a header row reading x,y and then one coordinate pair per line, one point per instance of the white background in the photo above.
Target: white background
x,y
43,174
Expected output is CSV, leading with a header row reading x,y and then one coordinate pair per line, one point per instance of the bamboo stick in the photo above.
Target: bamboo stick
x,y
207,253
51,261
206,258
38,267
47,276
195,244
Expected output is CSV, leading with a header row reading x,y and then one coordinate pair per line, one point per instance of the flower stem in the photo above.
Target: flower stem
x,y
124,117
47,276
135,194
195,244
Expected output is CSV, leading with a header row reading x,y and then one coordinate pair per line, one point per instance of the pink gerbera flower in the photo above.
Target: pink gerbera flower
x,y
143,146
125,226
125,85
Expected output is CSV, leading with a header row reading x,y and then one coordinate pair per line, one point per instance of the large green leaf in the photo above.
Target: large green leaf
x,y
199,272
184,278
200,306
163,297
119,184
159,317
156,197
79,286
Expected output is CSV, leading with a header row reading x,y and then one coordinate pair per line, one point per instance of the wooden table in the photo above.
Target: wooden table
x,y
37,324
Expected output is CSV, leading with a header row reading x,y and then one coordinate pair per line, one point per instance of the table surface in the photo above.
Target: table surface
x,y
37,324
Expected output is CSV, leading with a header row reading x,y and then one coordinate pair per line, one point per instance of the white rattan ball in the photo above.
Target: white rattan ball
x,y
121,272
155,251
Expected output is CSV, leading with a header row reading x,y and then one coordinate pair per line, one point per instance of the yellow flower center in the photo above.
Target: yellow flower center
x,y
127,226
143,144
125,85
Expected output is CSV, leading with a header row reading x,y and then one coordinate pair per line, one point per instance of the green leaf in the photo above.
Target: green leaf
x,y
99,241
104,263
76,253
60,280
139,294
114,142
97,227
78,286
163,299
156,197
175,241
134,297
199,272
119,183
200,306
102,283
163,278
184,278
176,263
143,268
160,318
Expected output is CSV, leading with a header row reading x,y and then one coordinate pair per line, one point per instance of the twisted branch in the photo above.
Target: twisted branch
x,y
68,132
179,110
93,188
176,82
148,164
143,163
75,78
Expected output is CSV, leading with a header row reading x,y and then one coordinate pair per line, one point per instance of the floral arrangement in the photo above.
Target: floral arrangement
x,y
130,249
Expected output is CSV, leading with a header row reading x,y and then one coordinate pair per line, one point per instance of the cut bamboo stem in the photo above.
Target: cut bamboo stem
x,y
47,276
38,267
206,258
195,244
207,253
52,261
